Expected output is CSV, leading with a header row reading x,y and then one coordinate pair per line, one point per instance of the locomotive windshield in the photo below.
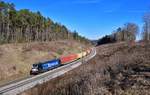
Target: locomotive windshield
x,y
35,66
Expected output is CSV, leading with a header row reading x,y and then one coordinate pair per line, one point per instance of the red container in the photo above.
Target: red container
x,y
69,58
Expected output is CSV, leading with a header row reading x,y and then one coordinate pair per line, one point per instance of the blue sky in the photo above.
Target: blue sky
x,y
90,18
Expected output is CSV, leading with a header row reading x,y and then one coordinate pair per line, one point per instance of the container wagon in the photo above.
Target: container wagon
x,y
69,58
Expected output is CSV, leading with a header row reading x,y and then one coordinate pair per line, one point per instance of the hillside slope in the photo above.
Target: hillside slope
x,y
16,59
117,69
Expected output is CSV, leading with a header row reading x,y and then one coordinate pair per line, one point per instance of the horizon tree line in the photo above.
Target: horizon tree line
x,y
18,26
128,32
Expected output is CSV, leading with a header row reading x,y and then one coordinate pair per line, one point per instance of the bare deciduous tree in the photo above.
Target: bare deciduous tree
x,y
146,28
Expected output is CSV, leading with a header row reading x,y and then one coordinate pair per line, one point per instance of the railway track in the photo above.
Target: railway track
x,y
18,86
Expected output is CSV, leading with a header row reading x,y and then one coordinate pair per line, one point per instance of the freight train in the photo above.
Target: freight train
x,y
52,64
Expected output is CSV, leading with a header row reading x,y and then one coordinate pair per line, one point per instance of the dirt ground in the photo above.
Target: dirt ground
x,y
117,69
16,59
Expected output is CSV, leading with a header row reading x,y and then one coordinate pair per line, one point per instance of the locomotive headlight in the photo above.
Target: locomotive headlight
x,y
34,69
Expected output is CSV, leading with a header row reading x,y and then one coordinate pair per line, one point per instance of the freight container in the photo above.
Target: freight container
x,y
84,53
88,51
69,58
79,55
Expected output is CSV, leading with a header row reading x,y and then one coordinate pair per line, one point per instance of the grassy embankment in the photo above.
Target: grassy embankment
x,y
117,69
16,59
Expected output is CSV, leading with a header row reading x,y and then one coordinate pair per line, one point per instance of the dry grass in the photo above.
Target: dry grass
x,y
16,59
118,69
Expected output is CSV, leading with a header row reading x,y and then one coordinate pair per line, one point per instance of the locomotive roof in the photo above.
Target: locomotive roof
x,y
46,62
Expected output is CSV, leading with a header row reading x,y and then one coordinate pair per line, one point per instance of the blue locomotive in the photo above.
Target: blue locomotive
x,y
45,66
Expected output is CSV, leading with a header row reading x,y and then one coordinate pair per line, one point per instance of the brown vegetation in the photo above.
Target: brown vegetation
x,y
117,69
16,59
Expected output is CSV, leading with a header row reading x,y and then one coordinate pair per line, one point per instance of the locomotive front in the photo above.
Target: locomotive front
x,y
34,69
